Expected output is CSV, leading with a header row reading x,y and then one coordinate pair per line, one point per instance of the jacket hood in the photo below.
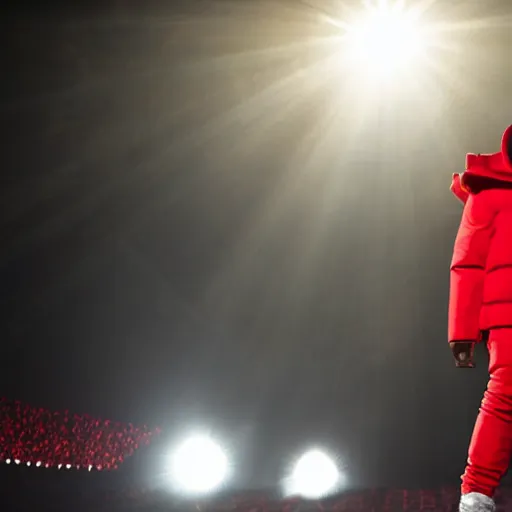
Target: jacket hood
x,y
494,166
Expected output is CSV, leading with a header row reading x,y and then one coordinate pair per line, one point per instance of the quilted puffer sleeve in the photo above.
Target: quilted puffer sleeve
x,y
467,271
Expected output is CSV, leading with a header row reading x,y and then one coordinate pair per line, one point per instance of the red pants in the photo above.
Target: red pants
x,y
491,444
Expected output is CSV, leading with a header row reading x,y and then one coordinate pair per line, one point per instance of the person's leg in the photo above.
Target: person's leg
x,y
491,444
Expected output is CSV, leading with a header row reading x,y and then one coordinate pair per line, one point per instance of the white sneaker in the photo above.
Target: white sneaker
x,y
476,502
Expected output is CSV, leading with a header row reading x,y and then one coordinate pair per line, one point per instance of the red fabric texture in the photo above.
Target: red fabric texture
x,y
458,190
491,444
481,267
497,166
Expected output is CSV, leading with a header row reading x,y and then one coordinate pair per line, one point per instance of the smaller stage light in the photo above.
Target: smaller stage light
x,y
315,475
17,461
38,463
68,466
29,463
8,461
199,465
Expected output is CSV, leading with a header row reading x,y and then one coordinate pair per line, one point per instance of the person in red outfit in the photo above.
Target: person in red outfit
x,y
481,306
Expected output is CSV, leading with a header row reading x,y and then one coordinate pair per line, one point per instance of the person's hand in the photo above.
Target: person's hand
x,y
463,353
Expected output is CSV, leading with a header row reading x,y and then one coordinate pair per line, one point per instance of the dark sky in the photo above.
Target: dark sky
x,y
204,222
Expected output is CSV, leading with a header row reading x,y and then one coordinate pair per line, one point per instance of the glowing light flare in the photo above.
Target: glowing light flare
x,y
199,465
386,38
315,475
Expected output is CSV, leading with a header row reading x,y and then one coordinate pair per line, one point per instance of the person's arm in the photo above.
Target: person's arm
x,y
467,271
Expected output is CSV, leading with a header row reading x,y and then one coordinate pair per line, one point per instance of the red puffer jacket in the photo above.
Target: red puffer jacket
x,y
481,268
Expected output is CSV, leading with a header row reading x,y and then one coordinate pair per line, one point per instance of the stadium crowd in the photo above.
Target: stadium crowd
x,y
33,435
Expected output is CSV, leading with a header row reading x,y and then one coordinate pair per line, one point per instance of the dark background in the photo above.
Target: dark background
x,y
204,222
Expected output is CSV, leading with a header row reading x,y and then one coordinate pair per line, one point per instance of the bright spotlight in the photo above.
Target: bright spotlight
x,y
315,475
386,38
199,465
38,463
8,461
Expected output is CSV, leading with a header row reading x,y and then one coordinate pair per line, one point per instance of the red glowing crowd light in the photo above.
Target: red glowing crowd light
x,y
34,436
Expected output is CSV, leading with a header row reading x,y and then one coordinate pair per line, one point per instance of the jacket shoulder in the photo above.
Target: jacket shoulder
x,y
480,207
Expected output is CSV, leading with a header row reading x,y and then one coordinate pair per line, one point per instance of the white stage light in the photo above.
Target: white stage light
x,y
17,461
199,465
315,475
29,463
38,463
68,466
59,466
8,461
387,37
